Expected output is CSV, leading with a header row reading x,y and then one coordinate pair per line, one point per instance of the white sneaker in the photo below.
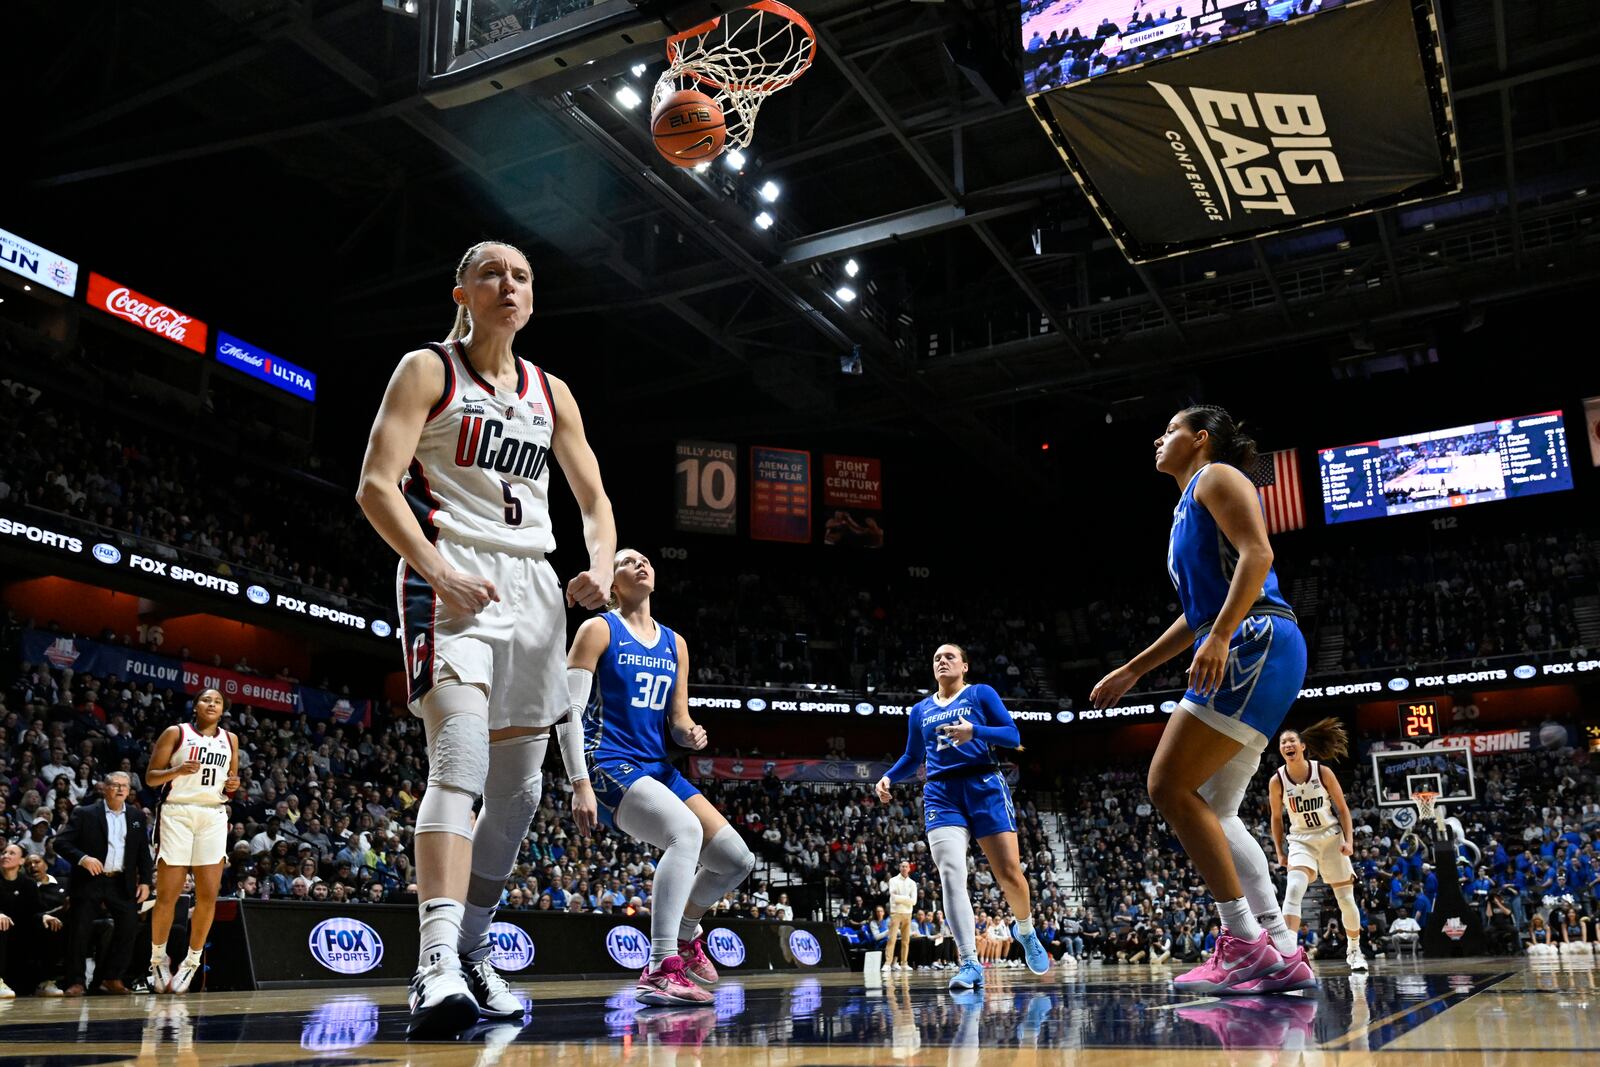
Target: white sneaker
x,y
1357,961
440,1000
494,997
48,989
6,992
184,975
160,977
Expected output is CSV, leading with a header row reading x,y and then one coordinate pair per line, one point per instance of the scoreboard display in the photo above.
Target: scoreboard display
x,y
1419,720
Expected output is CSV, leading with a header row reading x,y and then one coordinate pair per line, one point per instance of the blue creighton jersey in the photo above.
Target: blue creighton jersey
x,y
1201,561
992,725
634,680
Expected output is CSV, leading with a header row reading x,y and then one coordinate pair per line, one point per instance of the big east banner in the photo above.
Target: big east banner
x,y
1296,124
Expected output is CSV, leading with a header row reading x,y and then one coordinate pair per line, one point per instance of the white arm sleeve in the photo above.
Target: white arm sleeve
x,y
569,731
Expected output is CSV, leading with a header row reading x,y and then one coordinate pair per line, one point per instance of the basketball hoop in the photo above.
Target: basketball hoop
x,y
739,60
1425,800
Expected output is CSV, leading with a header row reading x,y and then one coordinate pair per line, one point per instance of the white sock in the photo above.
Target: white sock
x,y
193,957
1237,918
473,940
158,953
441,929
1283,938
1025,926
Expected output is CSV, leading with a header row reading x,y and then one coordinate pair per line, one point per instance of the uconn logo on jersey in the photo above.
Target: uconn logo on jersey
x,y
1301,805
484,443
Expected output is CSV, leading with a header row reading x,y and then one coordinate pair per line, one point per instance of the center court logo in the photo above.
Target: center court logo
x,y
347,946
107,553
257,594
725,946
629,947
805,948
510,948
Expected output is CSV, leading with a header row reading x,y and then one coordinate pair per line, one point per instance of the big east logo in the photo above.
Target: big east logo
x,y
1249,146
699,116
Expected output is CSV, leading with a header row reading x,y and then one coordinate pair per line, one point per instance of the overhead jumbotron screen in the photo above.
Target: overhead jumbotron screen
x,y
1065,41
1450,468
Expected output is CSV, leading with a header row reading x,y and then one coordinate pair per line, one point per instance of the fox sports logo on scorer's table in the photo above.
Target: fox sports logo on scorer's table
x,y
258,594
347,946
805,948
725,946
510,948
109,554
629,947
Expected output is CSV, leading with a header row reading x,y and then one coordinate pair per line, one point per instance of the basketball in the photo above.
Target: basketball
x,y
688,128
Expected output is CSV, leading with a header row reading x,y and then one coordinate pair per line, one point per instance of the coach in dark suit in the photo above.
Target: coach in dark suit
x,y
108,845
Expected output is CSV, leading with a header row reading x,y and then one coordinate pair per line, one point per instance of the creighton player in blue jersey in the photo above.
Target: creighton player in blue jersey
x,y
629,682
955,732
1249,662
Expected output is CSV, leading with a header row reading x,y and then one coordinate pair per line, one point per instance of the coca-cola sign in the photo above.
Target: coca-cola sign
x,y
146,312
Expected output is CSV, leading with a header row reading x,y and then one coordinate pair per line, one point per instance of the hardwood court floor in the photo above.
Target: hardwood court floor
x,y
1432,1014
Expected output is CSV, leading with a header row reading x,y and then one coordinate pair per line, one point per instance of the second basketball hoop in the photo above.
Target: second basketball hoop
x,y
731,63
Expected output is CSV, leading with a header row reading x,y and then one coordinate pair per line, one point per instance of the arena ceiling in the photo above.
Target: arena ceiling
x,y
291,139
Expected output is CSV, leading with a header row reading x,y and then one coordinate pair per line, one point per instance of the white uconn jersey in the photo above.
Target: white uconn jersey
x,y
481,473
1310,811
215,753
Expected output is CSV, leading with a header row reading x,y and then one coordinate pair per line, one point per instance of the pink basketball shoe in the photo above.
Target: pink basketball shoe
x,y
1294,974
1234,962
695,960
669,985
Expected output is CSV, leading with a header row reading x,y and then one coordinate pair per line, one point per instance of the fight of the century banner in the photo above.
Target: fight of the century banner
x,y
706,496
1296,124
780,495
852,501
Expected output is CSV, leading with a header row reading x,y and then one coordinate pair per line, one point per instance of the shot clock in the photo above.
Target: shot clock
x,y
1419,720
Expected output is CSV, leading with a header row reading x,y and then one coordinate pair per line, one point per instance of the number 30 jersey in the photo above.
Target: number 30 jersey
x,y
634,683
481,472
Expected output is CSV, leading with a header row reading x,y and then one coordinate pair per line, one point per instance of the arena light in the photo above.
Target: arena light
x,y
735,159
628,97
852,268
639,69
845,294
764,221
702,166
769,192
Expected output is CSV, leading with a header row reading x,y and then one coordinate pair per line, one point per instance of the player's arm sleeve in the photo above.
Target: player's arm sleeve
x,y
1001,729
916,753
569,731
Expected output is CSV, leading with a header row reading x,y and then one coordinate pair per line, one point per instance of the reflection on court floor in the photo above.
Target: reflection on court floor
x,y
1435,1012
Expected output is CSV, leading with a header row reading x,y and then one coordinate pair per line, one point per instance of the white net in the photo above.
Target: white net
x,y
742,59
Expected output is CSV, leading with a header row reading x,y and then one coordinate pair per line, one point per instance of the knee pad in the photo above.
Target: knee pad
x,y
456,718
511,791
444,809
1295,892
726,853
1349,913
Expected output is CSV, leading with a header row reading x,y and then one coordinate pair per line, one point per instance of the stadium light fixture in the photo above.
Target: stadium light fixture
x,y
702,166
764,221
639,69
845,294
852,268
628,97
735,159
769,191
1210,274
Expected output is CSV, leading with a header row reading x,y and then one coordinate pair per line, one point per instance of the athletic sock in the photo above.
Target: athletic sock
x,y
1283,938
1237,918
1025,926
193,958
473,941
441,929
158,953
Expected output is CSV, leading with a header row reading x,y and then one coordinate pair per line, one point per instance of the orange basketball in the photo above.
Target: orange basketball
x,y
688,128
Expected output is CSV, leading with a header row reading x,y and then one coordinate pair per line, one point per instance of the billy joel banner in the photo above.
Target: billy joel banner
x,y
1300,123
706,498
780,495
852,501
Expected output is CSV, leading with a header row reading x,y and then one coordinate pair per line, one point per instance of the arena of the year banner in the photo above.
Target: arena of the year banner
x,y
780,495
1295,124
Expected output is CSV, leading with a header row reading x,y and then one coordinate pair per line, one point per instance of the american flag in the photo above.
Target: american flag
x,y
1277,481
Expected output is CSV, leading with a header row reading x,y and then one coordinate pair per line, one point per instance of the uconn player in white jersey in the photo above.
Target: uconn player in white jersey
x,y
197,767
1320,837
1249,662
471,429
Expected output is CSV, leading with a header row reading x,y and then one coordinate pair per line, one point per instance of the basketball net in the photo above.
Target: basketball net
x,y
739,60
1426,810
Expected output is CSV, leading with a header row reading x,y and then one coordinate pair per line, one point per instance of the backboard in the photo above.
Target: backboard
x,y
1399,772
